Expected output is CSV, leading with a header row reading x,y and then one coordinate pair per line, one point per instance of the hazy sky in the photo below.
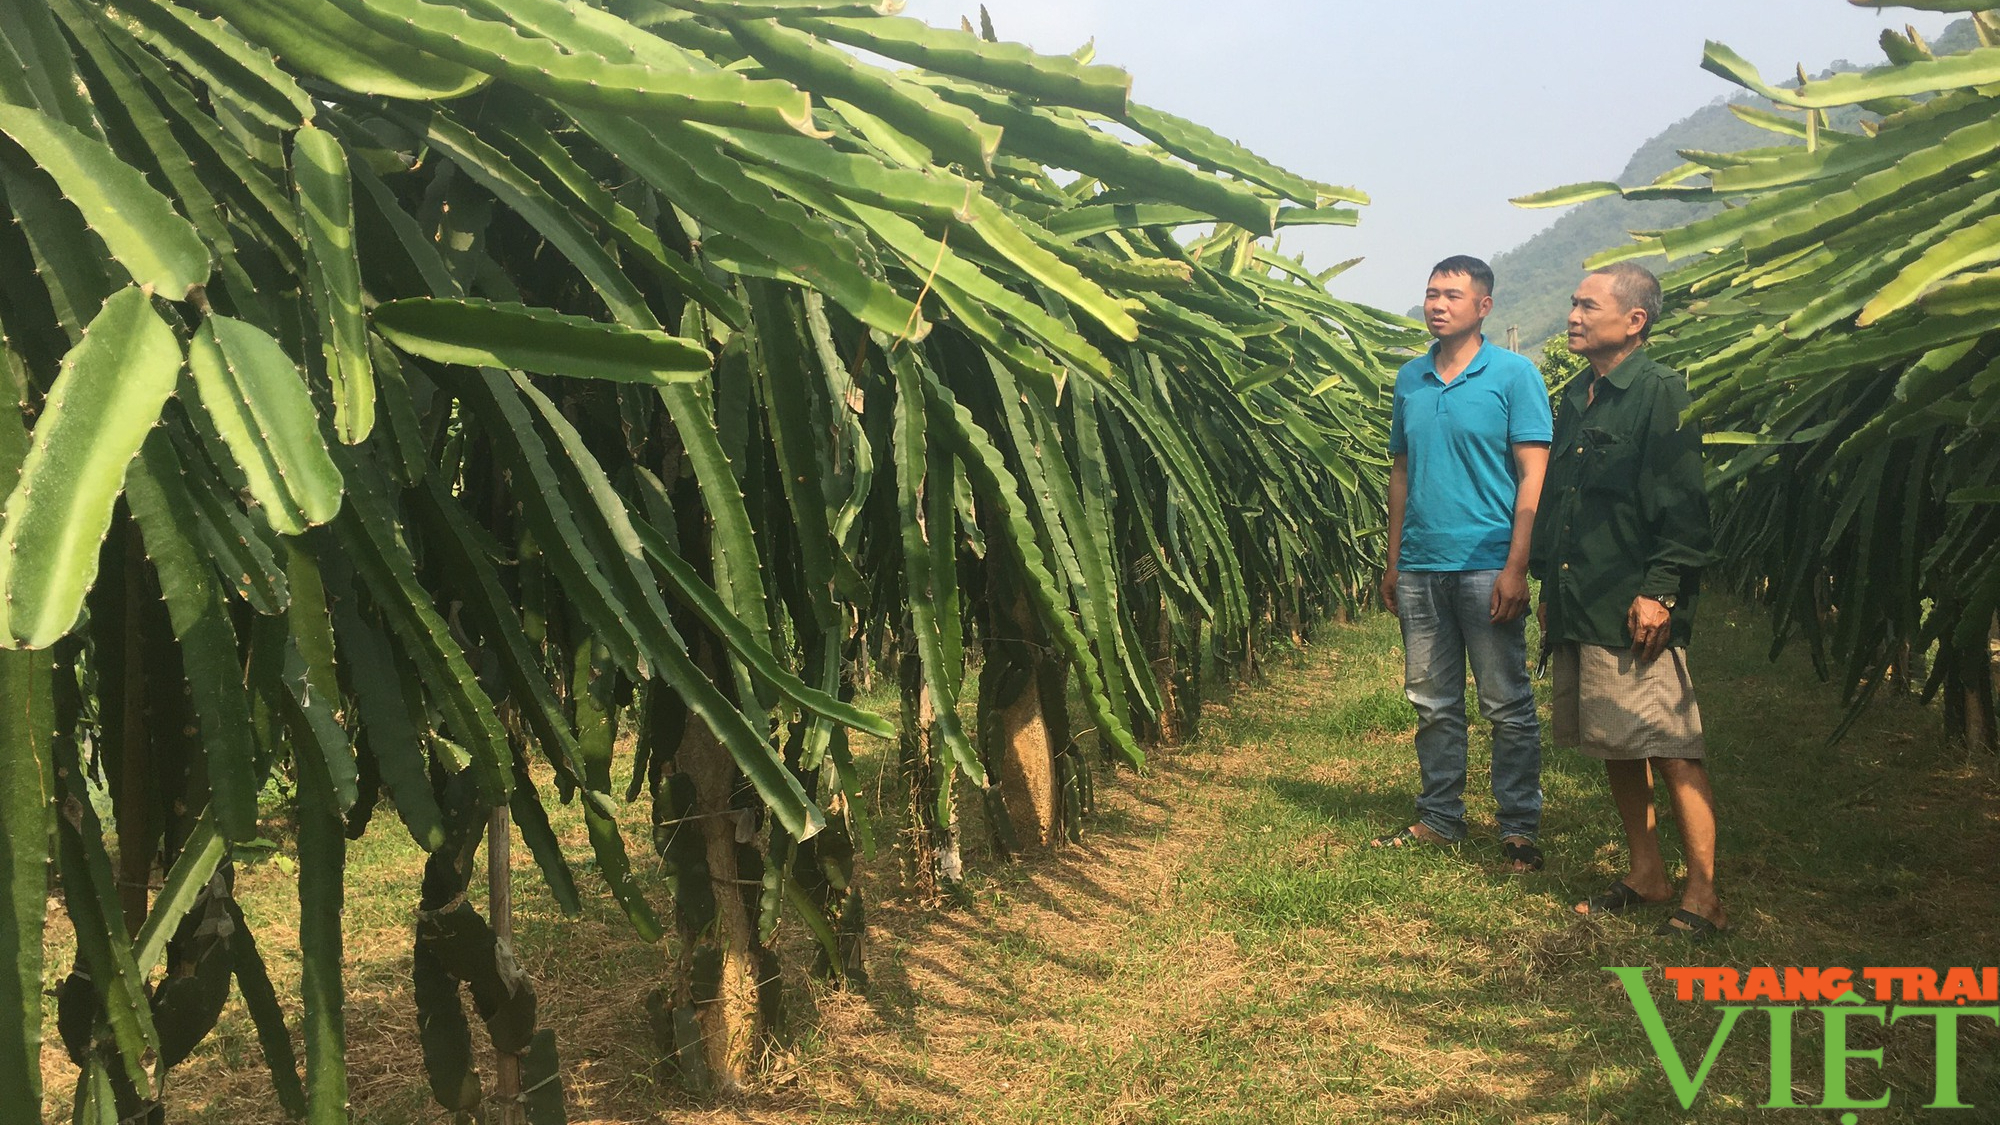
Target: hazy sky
x,y
1440,109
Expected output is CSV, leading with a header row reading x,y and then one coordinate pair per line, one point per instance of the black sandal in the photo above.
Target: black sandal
x,y
1694,927
1522,851
1614,899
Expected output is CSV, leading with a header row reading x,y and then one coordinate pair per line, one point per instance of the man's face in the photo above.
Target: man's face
x,y
1599,323
1454,304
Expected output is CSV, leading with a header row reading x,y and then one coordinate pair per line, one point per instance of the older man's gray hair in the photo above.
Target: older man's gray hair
x,y
1636,288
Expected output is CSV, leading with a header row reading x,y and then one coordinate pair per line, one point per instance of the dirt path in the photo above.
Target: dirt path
x,y
1043,935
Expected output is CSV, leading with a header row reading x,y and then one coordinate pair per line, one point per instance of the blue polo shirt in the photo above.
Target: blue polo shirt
x,y
1459,437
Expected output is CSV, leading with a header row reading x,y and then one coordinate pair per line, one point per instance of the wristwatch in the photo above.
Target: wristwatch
x,y
1666,600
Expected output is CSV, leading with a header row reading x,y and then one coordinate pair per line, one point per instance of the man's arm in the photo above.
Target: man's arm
x,y
1510,590
1673,505
1399,497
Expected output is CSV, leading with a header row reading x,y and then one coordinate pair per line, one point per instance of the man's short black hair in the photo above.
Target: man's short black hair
x,y
1478,271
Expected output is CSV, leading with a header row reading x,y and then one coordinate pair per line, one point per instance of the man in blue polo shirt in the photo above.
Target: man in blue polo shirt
x,y
1470,441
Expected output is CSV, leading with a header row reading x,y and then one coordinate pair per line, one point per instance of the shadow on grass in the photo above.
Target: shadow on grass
x,y
1341,802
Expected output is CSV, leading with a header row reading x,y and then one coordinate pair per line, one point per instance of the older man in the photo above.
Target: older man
x,y
1469,438
1619,545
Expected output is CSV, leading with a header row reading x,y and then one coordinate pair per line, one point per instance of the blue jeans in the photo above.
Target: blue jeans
x,y
1447,616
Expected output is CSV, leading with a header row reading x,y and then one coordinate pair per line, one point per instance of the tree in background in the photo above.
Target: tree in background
x,y
1559,365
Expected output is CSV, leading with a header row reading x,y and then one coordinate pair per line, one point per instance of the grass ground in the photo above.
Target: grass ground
x,y
1224,947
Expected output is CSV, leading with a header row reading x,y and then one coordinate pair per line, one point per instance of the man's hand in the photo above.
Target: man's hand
x,y
1510,596
1542,619
1650,625
1387,588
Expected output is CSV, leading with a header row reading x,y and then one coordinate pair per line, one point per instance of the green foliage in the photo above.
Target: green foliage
x,y
256,403
138,226
100,406
324,41
549,372
326,217
1846,372
485,334
27,778
1535,279
1558,364
1537,276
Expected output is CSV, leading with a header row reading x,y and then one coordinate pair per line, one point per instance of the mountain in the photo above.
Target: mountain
x,y
1533,281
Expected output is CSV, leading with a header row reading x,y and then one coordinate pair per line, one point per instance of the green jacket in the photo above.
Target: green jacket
x,y
1623,509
